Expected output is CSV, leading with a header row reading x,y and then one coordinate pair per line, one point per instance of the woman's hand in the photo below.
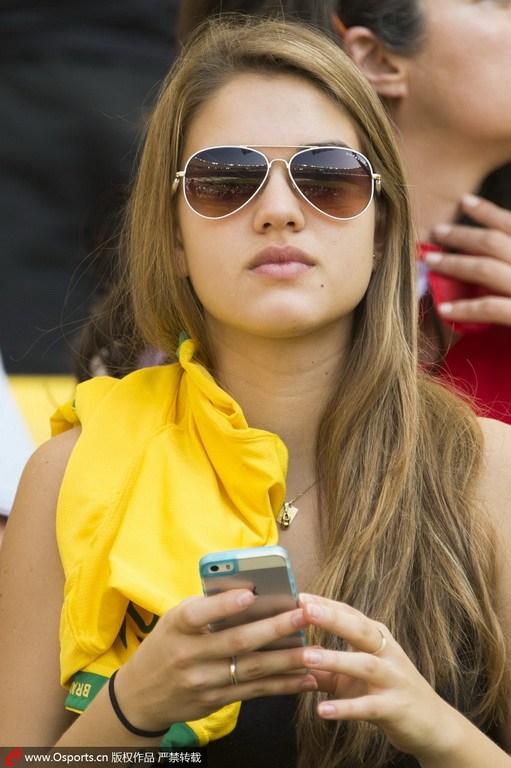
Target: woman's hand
x,y
378,684
482,257
182,671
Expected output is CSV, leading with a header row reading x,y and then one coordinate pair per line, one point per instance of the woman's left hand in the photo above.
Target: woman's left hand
x,y
479,255
378,684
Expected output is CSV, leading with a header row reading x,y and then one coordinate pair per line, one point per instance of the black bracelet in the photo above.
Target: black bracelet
x,y
124,721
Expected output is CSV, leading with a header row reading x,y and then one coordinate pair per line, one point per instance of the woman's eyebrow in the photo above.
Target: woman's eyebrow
x,y
329,143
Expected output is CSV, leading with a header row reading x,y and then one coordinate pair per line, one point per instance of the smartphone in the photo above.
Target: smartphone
x,y
265,571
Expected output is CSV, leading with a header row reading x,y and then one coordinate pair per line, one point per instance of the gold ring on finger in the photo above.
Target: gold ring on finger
x,y
232,671
382,645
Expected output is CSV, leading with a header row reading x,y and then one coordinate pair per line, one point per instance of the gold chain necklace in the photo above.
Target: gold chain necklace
x,y
288,512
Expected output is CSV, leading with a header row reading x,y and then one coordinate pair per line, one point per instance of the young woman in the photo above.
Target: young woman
x,y
270,242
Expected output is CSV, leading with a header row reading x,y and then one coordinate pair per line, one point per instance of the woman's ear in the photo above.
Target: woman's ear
x,y
385,70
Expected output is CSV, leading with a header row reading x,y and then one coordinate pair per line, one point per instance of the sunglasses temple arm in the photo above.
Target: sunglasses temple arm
x,y
179,175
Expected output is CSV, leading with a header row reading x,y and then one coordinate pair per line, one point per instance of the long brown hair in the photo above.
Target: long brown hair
x,y
398,456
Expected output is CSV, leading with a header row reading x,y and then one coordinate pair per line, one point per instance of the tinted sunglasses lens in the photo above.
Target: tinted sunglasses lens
x,y
220,180
338,181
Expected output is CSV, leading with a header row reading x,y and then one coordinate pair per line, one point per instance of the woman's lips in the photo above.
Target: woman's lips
x,y
281,261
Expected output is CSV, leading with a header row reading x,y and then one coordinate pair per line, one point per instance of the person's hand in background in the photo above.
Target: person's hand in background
x,y
478,255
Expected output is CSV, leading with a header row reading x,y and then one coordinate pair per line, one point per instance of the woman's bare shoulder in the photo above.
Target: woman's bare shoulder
x,y
496,476
48,463
497,449
40,482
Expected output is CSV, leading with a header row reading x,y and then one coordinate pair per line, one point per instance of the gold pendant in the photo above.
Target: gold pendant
x,y
287,514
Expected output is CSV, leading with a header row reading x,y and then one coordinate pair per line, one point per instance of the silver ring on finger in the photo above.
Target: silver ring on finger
x,y
232,671
382,645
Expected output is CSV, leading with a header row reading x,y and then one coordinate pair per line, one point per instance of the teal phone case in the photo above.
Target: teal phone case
x,y
267,572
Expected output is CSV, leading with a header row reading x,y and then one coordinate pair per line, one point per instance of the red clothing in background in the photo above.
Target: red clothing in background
x,y
479,363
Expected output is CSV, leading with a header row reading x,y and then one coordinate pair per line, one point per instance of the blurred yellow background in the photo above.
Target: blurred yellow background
x,y
38,397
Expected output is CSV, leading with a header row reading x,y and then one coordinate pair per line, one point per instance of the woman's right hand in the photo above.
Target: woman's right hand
x,y
181,671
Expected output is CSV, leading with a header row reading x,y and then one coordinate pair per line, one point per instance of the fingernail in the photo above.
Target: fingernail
x,y
445,309
314,610
298,619
310,684
442,230
245,599
326,709
434,258
471,201
312,657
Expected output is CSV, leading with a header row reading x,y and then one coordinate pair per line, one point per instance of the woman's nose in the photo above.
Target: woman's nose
x,y
278,204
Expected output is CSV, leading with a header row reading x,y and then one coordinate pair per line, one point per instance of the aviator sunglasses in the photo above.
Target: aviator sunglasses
x,y
337,181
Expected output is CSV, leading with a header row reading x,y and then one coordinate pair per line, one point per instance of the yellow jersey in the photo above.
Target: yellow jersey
x,y
166,469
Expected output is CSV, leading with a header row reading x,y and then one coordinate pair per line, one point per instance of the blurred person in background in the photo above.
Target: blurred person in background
x,y
15,447
452,113
78,80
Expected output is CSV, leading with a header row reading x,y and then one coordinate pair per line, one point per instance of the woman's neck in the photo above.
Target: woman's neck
x,y
282,385
442,168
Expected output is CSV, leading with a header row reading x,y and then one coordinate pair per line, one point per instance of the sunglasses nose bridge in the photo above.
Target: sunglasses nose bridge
x,y
287,165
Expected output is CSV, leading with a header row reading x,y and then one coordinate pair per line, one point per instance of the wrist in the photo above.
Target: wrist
x,y
447,743
129,712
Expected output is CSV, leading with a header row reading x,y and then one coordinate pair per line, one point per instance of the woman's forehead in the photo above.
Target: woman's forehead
x,y
282,110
